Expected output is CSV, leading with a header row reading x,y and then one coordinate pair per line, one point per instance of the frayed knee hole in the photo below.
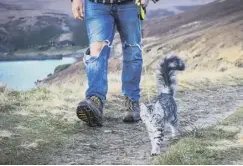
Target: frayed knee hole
x,y
96,47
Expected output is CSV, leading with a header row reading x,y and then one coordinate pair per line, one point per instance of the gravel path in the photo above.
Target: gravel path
x,y
119,143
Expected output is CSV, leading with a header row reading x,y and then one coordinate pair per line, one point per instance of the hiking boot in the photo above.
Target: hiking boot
x,y
90,111
132,111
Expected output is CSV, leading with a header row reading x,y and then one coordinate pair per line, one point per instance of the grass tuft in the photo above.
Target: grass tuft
x,y
204,146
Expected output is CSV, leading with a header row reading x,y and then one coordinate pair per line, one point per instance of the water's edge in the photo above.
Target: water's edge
x,y
25,74
27,58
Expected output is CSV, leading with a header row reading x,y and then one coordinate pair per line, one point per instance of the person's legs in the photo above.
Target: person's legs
x,y
100,28
129,27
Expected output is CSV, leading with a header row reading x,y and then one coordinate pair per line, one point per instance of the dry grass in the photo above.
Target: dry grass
x,y
30,126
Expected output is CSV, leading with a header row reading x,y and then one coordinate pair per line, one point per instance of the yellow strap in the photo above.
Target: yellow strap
x,y
142,12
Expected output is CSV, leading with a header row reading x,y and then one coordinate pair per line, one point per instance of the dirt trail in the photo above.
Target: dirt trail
x,y
119,143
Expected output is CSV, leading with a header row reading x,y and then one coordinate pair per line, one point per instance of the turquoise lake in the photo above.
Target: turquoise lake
x,y
21,75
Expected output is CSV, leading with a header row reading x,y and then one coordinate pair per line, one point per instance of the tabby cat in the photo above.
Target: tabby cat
x,y
164,109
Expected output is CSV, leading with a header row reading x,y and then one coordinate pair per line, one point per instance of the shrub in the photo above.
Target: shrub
x,y
61,68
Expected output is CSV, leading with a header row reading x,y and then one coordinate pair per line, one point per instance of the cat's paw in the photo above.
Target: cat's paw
x,y
175,133
143,108
144,113
155,152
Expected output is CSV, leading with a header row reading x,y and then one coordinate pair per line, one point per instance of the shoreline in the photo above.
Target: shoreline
x,y
30,58
40,56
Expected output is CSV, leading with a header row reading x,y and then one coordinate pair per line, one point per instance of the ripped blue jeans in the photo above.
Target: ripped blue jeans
x,y
101,21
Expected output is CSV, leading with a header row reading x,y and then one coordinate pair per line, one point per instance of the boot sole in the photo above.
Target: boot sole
x,y
85,114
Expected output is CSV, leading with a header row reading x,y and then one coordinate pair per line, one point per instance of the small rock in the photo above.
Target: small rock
x,y
108,131
5,134
86,144
3,87
72,163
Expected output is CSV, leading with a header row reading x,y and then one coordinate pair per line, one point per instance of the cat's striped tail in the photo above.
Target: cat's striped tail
x,y
166,74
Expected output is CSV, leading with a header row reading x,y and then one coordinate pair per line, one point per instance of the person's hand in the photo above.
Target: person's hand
x,y
78,9
144,3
